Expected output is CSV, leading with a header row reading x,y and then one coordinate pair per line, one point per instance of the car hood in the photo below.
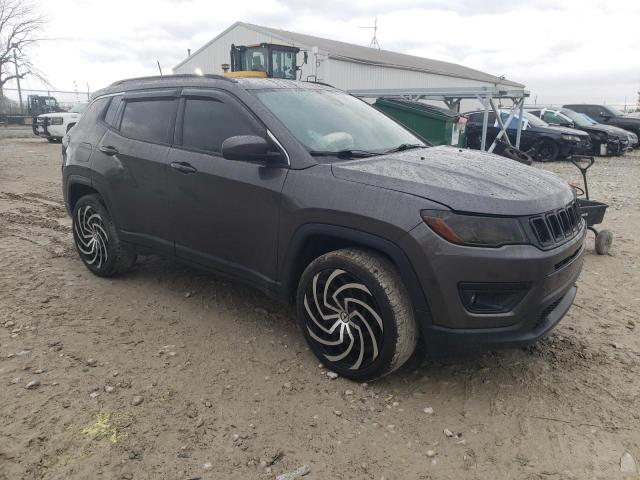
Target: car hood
x,y
463,180
603,129
619,131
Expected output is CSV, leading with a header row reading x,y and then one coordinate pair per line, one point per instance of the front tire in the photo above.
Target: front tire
x,y
547,151
96,239
356,314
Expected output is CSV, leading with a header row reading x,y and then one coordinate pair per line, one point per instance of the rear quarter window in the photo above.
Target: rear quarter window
x,y
110,115
86,129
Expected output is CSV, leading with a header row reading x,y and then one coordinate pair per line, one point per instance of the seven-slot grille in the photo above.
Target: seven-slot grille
x,y
553,228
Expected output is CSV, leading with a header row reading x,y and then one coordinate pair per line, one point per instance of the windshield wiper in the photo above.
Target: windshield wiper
x,y
405,146
343,153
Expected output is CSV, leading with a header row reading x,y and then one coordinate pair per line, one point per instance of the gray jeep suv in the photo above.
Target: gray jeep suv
x,y
312,195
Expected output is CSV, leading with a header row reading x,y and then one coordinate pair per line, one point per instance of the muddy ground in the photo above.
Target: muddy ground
x,y
169,373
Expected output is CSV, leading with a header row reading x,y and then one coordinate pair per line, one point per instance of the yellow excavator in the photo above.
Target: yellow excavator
x,y
264,60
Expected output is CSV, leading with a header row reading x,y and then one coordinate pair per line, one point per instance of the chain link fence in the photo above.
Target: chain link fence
x,y
12,112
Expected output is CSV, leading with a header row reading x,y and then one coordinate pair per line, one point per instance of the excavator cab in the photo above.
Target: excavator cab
x,y
264,60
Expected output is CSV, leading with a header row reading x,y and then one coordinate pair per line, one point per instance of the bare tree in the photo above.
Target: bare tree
x,y
21,27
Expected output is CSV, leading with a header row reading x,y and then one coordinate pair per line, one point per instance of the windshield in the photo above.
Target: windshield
x,y
528,117
78,108
614,111
576,118
533,120
588,118
332,121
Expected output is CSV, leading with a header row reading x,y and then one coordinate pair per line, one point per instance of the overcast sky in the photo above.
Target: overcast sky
x,y
563,50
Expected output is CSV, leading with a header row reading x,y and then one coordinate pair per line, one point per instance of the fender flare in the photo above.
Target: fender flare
x,y
76,179
360,239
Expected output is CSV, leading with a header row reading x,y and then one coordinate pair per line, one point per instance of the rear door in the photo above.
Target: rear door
x,y
225,212
132,162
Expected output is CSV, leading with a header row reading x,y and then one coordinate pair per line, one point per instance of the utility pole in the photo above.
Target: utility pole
x,y
15,61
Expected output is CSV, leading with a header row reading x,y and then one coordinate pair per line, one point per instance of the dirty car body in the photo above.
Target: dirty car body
x,y
487,250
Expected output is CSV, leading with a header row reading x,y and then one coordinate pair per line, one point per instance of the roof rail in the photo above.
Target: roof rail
x,y
319,83
169,77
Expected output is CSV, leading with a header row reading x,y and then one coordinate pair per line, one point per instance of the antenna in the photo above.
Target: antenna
x,y
374,41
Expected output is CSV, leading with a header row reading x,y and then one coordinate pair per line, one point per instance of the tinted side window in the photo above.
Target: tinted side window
x,y
85,130
478,117
94,110
209,122
148,120
593,112
551,118
110,116
513,125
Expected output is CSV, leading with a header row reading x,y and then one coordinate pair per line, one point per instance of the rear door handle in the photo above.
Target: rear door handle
x,y
183,167
109,150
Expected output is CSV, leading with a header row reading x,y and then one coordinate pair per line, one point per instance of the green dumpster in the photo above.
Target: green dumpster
x,y
439,126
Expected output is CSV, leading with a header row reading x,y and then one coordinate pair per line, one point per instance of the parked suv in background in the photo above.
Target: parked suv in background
x,y
605,139
314,196
608,115
54,126
544,142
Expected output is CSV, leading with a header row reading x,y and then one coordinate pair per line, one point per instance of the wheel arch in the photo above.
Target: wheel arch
x,y
312,240
79,186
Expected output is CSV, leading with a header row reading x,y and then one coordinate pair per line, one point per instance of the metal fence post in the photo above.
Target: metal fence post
x,y
520,121
485,121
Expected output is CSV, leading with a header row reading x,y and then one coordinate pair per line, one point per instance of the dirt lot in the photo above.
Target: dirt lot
x,y
169,373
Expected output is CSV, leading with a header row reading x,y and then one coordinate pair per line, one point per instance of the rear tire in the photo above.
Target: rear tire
x,y
356,314
96,239
547,151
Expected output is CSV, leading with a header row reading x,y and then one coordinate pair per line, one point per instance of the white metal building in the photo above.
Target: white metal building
x,y
343,65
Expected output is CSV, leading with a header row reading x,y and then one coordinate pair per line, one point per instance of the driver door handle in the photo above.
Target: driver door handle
x,y
109,150
183,167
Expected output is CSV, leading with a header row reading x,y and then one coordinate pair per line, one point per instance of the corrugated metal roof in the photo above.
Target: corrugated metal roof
x,y
372,56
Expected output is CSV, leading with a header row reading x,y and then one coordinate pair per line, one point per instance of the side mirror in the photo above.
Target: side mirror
x,y
604,115
250,148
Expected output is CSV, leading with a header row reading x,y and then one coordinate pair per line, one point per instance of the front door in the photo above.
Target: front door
x,y
225,212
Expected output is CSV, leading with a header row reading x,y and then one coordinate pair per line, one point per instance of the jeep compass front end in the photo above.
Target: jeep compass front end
x,y
316,197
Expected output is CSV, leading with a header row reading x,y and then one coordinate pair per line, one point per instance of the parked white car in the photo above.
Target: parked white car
x,y
54,126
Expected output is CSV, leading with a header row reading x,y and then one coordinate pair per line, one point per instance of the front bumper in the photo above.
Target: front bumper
x,y
617,146
441,267
40,126
568,148
43,128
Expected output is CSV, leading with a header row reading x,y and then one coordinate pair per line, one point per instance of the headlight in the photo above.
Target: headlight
x,y
475,230
55,121
571,138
